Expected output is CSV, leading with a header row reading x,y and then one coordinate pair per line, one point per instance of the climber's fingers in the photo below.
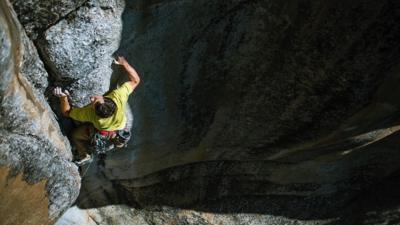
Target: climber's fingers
x,y
116,62
66,92
119,60
59,93
56,91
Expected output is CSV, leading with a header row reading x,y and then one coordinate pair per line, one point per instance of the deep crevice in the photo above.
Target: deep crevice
x,y
63,17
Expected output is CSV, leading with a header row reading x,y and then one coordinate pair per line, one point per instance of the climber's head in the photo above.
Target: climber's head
x,y
103,106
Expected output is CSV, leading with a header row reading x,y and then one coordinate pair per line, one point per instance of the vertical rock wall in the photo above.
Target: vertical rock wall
x,y
22,203
245,79
78,49
47,13
258,106
30,140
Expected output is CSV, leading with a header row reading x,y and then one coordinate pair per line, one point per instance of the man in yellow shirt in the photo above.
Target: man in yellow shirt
x,y
105,114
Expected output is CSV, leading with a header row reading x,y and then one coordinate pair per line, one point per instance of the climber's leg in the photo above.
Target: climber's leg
x,y
81,138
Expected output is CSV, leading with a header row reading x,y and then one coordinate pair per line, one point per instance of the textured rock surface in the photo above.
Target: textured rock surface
x,y
378,205
121,215
16,194
246,79
30,139
36,16
78,48
250,80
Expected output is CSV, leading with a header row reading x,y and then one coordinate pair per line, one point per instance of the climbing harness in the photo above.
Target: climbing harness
x,y
101,141
104,141
87,168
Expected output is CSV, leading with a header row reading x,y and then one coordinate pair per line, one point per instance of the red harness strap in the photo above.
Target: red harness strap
x,y
106,133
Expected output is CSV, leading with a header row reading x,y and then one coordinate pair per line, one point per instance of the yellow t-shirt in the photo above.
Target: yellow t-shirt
x,y
116,121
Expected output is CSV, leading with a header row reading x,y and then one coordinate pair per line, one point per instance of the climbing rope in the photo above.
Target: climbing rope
x,y
87,168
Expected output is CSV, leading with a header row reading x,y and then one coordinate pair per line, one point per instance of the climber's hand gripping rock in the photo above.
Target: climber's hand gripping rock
x,y
58,92
65,107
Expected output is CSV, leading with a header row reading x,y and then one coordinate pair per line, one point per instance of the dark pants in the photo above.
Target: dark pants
x,y
81,137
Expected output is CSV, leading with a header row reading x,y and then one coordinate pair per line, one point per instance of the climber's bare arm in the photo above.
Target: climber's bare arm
x,y
133,76
65,107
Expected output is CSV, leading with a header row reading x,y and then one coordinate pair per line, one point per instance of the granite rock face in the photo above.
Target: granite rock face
x,y
253,75
22,203
255,80
122,214
249,112
30,139
78,48
37,16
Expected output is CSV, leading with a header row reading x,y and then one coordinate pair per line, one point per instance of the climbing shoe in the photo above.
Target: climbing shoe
x,y
87,159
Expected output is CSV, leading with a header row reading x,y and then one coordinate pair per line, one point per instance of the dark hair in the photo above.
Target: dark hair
x,y
105,109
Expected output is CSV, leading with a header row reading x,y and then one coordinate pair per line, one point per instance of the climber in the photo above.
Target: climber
x,y
105,114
